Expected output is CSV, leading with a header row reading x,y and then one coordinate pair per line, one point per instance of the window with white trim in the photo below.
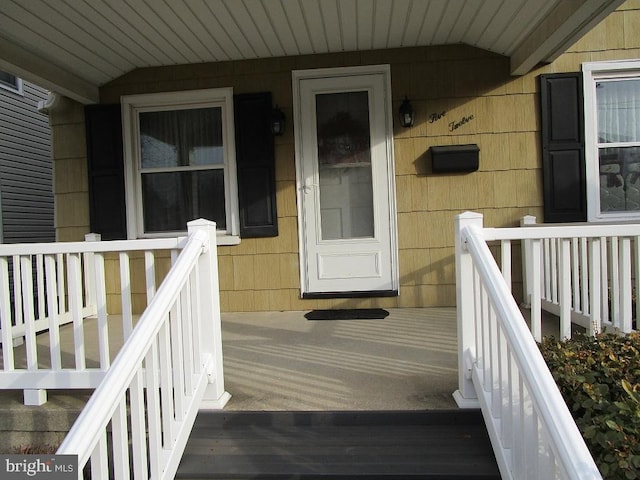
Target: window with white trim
x,y
612,134
10,82
179,161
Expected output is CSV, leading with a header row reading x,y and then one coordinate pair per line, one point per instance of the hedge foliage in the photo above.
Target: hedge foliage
x,y
599,378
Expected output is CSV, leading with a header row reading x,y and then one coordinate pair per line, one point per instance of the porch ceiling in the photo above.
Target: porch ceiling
x,y
74,47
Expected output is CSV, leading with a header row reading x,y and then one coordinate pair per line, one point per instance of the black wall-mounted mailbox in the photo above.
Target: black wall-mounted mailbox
x,y
455,158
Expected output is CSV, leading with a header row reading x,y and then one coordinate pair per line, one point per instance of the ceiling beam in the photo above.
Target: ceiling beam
x,y
36,69
567,22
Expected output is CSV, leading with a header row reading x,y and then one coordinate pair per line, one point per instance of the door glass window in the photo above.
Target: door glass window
x,y
344,165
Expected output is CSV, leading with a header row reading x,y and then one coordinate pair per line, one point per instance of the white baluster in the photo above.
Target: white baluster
x,y
125,294
626,307
536,290
75,305
100,301
53,309
120,441
565,288
5,316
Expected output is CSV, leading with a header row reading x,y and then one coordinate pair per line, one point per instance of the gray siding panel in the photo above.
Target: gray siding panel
x,y
9,145
26,168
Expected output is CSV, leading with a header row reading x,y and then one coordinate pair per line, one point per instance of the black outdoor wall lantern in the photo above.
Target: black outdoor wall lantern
x,y
278,121
406,113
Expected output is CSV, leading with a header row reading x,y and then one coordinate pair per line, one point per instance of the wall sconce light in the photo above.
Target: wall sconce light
x,y
406,113
278,121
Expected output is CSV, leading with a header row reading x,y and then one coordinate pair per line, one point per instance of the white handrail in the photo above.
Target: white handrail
x,y
91,247
564,231
530,426
164,335
99,410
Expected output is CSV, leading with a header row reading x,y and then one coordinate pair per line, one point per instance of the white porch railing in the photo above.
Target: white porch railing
x,y
500,366
586,275
137,422
45,286
41,286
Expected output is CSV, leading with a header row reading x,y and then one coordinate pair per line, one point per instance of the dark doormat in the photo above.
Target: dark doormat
x,y
347,314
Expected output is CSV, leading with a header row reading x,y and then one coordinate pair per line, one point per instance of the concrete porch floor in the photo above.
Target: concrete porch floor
x,y
282,361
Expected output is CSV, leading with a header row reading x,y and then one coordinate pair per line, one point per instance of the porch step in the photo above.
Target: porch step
x,y
38,428
451,444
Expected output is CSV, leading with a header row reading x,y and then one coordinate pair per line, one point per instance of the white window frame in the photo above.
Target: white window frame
x,y
15,89
592,73
132,106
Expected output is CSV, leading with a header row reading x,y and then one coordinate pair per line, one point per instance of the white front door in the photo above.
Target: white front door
x,y
346,194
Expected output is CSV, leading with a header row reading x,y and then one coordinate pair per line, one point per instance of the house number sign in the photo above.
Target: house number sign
x,y
453,125
434,117
458,123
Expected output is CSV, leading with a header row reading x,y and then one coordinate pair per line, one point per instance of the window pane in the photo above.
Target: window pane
x,y
170,200
9,80
618,111
181,138
344,165
619,179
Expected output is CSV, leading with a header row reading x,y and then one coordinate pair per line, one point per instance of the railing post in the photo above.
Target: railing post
x,y
527,278
215,396
465,396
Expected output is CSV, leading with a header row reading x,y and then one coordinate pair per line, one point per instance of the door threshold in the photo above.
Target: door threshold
x,y
357,294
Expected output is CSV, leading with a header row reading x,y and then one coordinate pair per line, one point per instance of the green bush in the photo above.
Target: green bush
x,y
599,378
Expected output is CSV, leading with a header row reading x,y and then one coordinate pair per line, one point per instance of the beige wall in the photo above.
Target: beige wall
x,y
455,82
70,185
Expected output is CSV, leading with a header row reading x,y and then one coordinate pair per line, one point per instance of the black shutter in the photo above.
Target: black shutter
x,y
563,160
106,171
255,164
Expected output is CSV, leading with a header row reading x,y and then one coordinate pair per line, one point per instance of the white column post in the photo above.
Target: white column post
x,y
527,267
465,396
215,396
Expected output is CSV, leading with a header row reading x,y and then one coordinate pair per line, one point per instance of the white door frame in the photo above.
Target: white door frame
x,y
297,77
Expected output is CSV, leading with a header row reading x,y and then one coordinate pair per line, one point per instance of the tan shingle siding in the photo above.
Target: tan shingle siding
x,y
463,82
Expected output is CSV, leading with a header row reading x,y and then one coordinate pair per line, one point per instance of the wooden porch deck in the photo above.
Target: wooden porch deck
x,y
387,445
